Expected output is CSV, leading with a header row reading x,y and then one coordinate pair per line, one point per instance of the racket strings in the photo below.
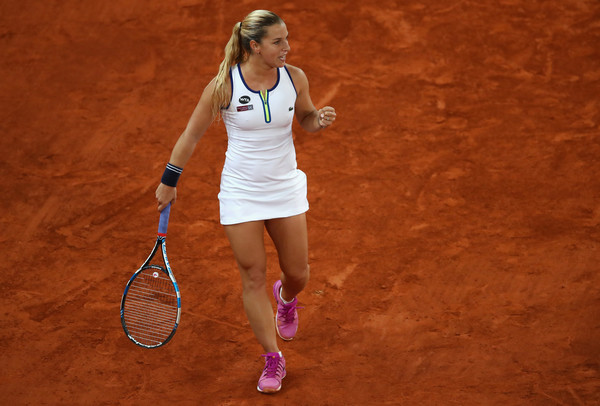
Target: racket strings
x,y
151,307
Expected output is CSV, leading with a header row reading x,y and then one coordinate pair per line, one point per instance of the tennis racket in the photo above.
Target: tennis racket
x,y
151,304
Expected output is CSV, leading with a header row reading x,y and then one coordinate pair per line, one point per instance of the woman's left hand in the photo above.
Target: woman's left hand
x,y
327,116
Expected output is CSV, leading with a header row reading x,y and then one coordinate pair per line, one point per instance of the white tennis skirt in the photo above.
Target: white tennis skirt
x,y
242,201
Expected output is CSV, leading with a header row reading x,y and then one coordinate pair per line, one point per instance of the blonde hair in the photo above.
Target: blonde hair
x,y
252,28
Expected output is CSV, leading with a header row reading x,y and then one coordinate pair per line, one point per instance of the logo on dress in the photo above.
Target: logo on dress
x,y
290,109
245,99
245,108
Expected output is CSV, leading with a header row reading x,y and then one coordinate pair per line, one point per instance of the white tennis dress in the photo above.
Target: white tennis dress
x,y
260,178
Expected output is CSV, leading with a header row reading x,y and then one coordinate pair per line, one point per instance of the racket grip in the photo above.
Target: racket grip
x,y
164,220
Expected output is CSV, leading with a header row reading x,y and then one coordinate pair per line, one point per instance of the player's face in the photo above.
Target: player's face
x,y
274,46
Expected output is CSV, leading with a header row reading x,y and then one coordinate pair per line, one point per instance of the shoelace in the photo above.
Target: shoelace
x,y
287,312
272,366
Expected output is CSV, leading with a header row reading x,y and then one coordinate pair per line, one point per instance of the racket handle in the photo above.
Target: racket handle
x,y
164,220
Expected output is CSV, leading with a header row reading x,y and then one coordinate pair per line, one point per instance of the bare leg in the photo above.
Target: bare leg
x,y
247,242
291,240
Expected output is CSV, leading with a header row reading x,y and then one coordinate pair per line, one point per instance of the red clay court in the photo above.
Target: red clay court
x,y
454,226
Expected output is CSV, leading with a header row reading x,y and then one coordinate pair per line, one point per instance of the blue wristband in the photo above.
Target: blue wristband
x,y
171,175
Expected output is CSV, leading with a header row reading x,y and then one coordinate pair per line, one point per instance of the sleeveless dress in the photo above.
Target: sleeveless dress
x,y
260,178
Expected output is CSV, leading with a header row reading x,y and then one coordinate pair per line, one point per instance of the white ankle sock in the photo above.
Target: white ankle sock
x,y
281,297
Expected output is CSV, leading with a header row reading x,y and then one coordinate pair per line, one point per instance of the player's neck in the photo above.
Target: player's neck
x,y
258,74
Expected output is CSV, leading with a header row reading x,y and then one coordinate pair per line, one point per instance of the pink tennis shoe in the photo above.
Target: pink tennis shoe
x,y
274,372
286,319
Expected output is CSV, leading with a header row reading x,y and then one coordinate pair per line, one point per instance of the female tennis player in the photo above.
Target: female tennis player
x,y
258,94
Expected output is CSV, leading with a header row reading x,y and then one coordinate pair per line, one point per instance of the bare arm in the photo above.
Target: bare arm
x,y
184,147
307,115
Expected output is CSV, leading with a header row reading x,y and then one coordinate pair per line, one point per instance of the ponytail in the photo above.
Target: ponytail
x,y
234,54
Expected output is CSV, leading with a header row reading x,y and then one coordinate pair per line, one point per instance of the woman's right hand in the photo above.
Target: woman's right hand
x,y
165,195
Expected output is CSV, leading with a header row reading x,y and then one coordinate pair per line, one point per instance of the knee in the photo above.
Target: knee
x,y
300,275
253,277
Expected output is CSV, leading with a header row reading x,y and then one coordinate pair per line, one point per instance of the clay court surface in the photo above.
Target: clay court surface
x,y
454,226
